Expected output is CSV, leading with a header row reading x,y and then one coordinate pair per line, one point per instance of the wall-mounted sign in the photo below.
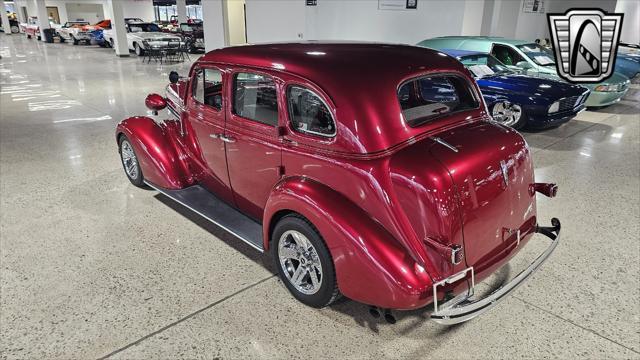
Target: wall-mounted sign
x,y
311,2
533,6
397,4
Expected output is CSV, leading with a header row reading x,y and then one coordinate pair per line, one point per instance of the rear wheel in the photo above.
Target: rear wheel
x,y
130,162
304,262
15,29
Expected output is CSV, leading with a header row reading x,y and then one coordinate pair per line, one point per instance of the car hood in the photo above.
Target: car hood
x,y
529,85
616,78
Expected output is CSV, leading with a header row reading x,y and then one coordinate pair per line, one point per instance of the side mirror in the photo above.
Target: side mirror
x,y
174,77
524,65
155,103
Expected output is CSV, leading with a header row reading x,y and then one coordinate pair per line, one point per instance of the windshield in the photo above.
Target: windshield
x,y
538,54
144,27
482,65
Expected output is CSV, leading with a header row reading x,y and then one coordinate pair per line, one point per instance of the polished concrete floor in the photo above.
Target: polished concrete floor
x,y
94,267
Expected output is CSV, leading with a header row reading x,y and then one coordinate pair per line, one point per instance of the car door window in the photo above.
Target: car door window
x,y
207,88
254,98
506,55
308,113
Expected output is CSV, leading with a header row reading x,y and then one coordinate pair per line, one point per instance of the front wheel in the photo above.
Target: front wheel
x,y
304,262
75,41
139,50
130,162
509,114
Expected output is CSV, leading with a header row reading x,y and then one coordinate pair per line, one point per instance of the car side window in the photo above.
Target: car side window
x,y
430,97
308,113
506,55
254,98
207,88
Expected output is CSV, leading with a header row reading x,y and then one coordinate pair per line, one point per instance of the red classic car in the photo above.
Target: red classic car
x,y
368,170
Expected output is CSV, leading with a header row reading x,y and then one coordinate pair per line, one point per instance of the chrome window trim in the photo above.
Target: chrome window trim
x,y
335,127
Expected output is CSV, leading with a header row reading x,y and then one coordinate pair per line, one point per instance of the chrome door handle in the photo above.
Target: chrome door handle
x,y
226,139
214,136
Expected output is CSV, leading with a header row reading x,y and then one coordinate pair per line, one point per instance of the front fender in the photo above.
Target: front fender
x,y
371,266
159,152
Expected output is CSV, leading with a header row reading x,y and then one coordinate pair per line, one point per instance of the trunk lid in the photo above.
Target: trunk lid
x,y
492,173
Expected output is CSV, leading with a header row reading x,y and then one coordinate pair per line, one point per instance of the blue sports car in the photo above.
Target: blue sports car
x,y
519,100
97,38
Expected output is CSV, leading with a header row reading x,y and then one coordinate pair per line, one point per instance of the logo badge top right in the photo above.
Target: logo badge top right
x,y
585,41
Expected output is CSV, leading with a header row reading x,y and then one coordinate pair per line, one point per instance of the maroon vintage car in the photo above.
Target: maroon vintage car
x,y
368,170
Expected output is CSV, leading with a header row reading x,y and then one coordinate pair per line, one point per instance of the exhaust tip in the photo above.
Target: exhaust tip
x,y
388,317
374,312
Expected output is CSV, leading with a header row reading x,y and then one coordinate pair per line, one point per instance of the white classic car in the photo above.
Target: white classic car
x,y
74,31
140,33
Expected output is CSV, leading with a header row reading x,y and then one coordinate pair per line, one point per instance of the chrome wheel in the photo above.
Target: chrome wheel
x,y
129,160
506,113
300,262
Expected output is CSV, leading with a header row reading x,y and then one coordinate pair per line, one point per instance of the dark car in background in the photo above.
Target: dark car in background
x,y
519,100
192,34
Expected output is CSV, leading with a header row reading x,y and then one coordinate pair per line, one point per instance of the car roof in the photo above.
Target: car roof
x,y
360,79
459,53
495,39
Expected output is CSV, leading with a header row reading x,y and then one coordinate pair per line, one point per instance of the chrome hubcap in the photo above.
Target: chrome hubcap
x,y
129,160
300,262
506,114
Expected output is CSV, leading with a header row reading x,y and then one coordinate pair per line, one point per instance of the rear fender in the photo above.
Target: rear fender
x,y
159,151
371,266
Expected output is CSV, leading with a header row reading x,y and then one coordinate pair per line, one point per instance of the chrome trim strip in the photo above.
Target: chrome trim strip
x,y
463,307
204,216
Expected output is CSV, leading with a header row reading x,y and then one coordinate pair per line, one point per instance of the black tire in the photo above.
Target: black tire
x,y
522,122
28,36
139,50
75,41
15,29
62,40
328,291
138,179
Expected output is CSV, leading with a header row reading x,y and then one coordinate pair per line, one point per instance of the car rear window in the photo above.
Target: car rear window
x,y
427,98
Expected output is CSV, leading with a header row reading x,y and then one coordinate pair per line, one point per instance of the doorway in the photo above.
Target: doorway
x,y
54,16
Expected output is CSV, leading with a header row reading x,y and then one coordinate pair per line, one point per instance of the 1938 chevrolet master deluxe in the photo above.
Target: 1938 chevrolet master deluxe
x,y
368,170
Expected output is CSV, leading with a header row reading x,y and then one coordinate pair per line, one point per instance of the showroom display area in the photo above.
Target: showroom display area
x,y
92,266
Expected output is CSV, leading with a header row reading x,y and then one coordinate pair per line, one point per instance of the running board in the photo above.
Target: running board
x,y
204,203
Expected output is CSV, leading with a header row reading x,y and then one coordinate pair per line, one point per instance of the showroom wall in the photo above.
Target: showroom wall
x,y
277,20
132,8
87,12
351,19
631,22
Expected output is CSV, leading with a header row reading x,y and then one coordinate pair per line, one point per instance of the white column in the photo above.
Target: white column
x,y
213,23
181,8
43,17
5,19
118,27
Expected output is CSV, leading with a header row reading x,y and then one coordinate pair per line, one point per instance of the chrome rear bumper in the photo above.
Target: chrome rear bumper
x,y
464,307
